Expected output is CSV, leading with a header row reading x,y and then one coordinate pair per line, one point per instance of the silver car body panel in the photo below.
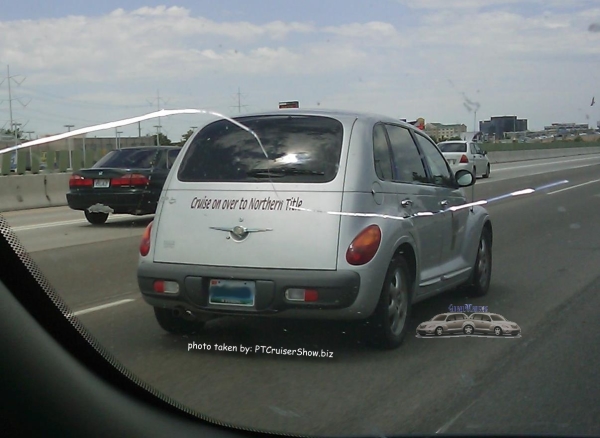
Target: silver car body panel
x,y
445,244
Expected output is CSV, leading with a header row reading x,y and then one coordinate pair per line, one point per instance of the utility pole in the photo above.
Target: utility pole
x,y
69,146
158,100
10,78
239,102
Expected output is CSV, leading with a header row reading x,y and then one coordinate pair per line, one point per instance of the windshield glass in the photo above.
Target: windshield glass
x,y
222,151
132,158
255,208
453,147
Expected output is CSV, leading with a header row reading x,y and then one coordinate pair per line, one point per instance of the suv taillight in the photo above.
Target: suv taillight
x,y
364,246
130,180
145,243
464,159
80,181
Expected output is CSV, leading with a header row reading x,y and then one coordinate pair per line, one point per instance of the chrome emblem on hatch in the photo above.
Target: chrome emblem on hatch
x,y
240,233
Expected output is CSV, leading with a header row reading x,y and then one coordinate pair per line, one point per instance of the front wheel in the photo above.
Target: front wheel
x,y
498,331
479,283
439,331
176,324
96,218
468,330
389,322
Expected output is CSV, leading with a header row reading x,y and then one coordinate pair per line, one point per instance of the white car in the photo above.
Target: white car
x,y
466,155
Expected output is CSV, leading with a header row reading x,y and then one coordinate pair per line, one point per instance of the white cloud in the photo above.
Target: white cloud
x,y
390,65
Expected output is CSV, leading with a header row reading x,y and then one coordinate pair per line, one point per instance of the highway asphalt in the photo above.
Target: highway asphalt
x,y
545,278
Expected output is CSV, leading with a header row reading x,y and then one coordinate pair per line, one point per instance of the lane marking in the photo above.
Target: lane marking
x,y
103,306
574,187
115,220
48,225
447,426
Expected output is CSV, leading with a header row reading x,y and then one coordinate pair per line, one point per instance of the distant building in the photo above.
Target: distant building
x,y
441,131
561,129
497,127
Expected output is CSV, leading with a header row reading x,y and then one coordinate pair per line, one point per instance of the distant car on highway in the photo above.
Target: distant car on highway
x,y
333,215
466,155
443,324
125,181
490,324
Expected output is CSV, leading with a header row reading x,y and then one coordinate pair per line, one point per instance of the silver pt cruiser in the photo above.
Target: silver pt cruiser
x,y
311,215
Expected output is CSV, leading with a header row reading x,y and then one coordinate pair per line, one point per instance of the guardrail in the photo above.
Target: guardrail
x,y
538,154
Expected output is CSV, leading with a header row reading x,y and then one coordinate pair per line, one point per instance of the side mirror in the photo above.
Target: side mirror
x,y
464,178
484,152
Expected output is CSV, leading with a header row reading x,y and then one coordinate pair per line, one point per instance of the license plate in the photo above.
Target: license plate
x,y
101,183
232,292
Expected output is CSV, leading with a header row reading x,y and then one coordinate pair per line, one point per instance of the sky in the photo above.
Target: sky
x,y
85,63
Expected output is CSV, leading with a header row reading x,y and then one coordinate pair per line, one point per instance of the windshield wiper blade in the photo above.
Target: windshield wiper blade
x,y
282,171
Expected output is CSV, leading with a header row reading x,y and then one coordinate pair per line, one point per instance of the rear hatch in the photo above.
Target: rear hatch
x,y
453,152
227,204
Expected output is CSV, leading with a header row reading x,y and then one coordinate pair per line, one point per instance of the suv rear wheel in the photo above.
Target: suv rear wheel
x,y
389,322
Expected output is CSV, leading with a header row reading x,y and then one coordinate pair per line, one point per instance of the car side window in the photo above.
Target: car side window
x,y
437,163
381,154
451,318
477,317
486,318
405,155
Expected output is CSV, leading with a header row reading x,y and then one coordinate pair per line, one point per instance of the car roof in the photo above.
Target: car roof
x,y
148,147
455,141
333,113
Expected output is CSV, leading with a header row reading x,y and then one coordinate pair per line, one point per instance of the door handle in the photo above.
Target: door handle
x,y
444,203
406,203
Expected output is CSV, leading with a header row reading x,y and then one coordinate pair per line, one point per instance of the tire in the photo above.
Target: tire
x,y
487,173
175,324
389,323
497,331
479,284
468,329
439,331
96,218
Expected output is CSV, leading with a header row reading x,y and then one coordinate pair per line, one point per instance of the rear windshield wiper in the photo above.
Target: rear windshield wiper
x,y
282,171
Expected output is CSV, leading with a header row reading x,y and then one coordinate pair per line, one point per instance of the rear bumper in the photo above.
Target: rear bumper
x,y
337,290
133,202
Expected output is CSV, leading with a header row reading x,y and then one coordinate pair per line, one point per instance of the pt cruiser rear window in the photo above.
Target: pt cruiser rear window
x,y
300,149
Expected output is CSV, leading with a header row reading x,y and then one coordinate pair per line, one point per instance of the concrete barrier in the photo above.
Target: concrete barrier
x,y
538,154
22,192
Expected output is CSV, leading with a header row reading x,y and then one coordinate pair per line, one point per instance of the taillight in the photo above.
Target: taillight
x,y
80,181
130,180
364,246
464,159
145,243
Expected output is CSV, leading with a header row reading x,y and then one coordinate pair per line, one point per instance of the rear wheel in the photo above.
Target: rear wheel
x,y
487,172
389,322
482,270
96,218
176,324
